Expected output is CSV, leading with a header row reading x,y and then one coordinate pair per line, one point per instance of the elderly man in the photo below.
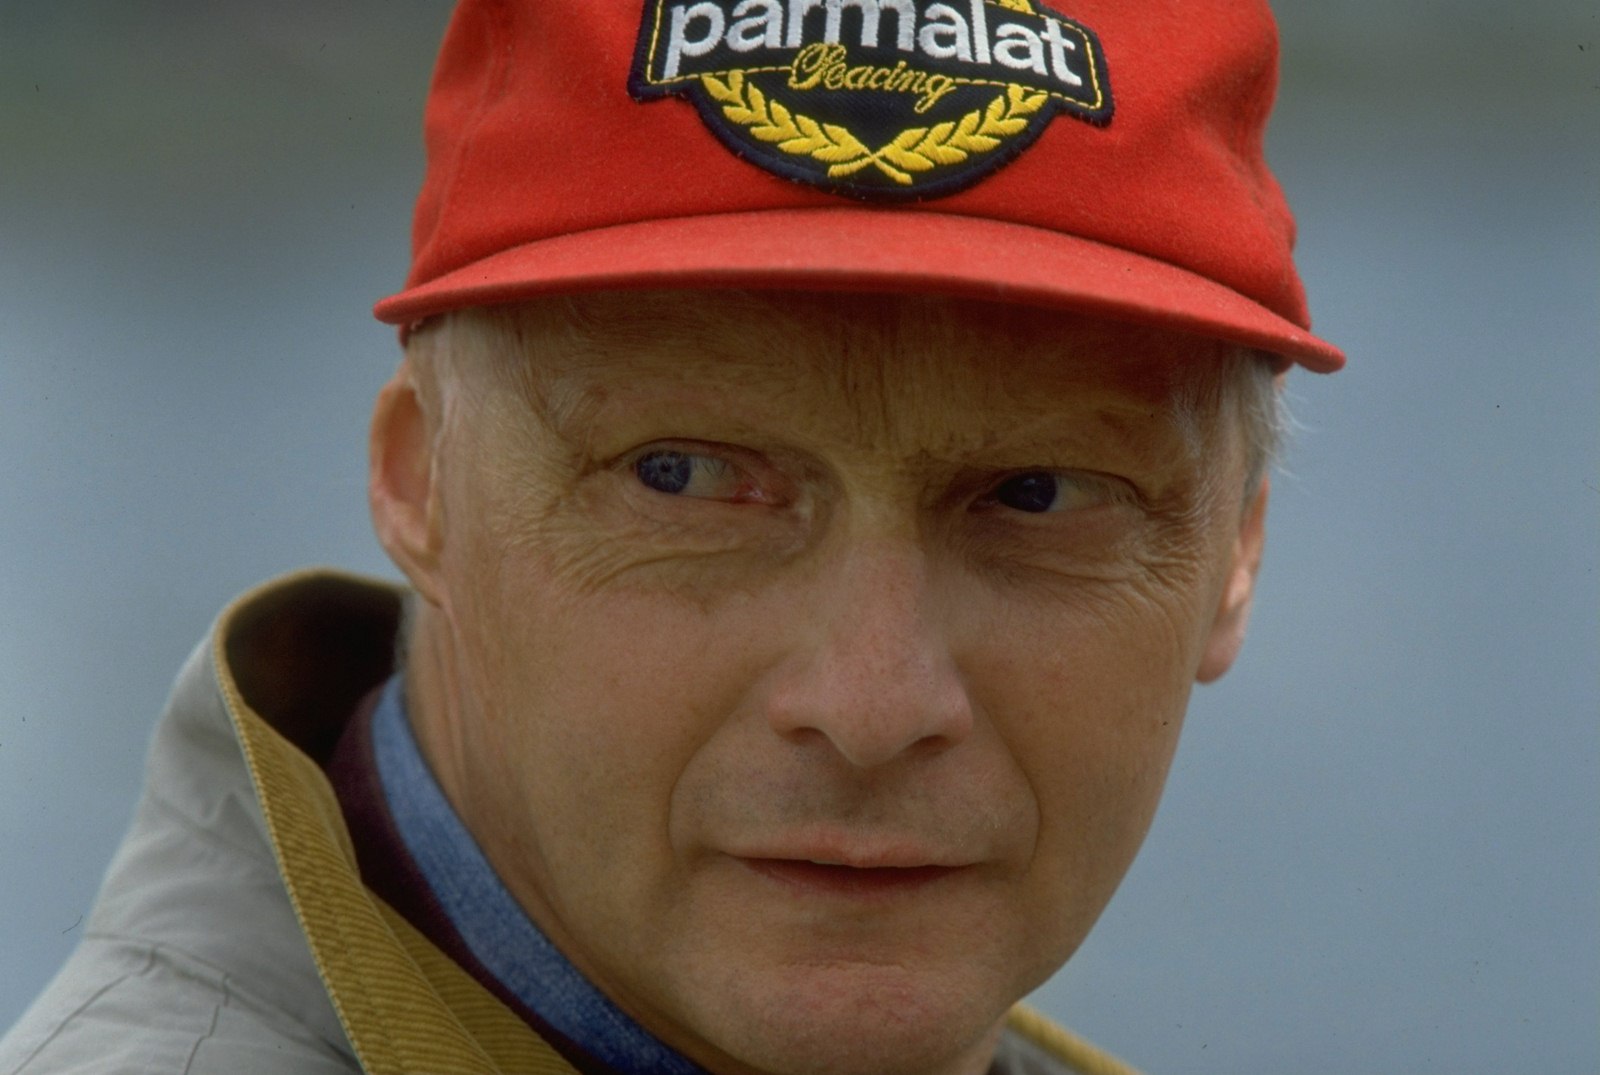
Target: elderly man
x,y
818,494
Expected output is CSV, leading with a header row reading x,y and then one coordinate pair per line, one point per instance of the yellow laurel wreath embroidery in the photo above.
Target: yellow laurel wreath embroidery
x,y
916,149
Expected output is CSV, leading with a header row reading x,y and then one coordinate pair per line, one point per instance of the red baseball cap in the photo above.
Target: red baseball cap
x,y
1104,158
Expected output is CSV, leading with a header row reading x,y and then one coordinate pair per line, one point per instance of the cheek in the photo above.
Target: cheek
x,y
1089,699
587,692
594,703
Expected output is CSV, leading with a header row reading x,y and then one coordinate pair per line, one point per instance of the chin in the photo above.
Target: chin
x,y
866,1019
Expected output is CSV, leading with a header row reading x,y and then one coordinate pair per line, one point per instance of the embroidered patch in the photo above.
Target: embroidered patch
x,y
877,99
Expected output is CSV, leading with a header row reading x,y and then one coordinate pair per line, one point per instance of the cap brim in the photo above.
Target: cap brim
x,y
893,252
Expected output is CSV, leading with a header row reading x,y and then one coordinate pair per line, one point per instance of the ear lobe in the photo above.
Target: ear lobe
x,y
1226,637
400,488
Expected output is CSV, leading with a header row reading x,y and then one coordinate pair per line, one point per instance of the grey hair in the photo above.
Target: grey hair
x,y
1247,384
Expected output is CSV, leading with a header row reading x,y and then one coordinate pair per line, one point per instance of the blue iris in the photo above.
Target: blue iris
x,y
665,472
1035,492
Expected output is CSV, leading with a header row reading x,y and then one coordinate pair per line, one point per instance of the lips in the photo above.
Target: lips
x,y
839,879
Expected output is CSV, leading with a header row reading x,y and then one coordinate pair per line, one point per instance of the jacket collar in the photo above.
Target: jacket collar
x,y
291,660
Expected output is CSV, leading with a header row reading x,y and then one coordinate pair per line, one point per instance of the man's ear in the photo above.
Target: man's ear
x,y
1233,611
400,482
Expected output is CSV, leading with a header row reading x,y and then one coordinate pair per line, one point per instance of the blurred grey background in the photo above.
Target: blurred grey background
x,y
1380,850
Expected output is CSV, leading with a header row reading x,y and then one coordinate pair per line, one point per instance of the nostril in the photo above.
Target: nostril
x,y
867,712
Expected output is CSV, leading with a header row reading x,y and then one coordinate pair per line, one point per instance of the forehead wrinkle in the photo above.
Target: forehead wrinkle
x,y
932,395
851,360
831,370
562,405
909,376
581,354
894,374
1118,383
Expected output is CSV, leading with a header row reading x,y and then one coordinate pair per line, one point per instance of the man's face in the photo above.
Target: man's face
x,y
810,668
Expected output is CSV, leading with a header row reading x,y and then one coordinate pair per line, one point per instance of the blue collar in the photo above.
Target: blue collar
x,y
490,921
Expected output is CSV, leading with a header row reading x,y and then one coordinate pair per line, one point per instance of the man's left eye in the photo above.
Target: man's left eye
x,y
691,474
1040,491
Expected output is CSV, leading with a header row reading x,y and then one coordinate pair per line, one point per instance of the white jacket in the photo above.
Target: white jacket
x,y
233,935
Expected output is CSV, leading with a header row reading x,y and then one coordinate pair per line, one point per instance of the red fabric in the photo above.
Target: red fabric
x,y
545,175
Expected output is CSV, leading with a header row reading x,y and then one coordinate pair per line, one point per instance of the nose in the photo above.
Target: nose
x,y
874,675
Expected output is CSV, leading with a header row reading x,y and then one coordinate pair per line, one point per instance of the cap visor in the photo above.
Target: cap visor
x,y
838,250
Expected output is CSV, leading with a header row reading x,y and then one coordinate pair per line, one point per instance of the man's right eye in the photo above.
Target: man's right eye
x,y
694,475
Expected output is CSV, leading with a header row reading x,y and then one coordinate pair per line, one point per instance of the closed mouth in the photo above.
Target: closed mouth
x,y
832,878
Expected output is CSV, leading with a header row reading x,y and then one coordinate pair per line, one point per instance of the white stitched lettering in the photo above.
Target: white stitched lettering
x,y
980,32
751,32
1059,45
798,10
1019,48
945,36
905,23
970,33
679,46
870,13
